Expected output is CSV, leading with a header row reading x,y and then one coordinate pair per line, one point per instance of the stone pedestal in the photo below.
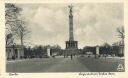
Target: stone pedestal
x,y
97,50
48,52
71,45
18,54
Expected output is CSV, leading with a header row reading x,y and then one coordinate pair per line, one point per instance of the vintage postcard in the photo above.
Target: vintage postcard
x,y
74,39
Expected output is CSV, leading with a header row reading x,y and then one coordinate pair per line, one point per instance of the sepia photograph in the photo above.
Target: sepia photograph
x,y
64,37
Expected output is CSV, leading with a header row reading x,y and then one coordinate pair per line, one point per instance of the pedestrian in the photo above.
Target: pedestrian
x,y
71,56
53,56
64,55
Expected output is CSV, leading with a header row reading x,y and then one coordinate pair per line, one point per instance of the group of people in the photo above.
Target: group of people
x,y
71,56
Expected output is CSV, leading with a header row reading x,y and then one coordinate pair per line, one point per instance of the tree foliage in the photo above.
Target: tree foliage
x,y
120,31
15,24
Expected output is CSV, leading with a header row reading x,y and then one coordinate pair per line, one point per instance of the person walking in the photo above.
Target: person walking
x,y
71,56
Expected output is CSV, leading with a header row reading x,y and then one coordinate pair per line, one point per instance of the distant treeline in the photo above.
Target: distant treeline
x,y
40,51
106,49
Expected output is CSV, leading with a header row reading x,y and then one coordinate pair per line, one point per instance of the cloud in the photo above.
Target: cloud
x,y
94,23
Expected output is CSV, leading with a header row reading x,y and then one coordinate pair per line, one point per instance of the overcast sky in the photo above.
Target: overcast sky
x,y
94,23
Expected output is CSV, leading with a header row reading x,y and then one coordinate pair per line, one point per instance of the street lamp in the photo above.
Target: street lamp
x,y
29,52
14,50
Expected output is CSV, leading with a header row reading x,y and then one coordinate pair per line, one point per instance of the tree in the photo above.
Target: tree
x,y
121,35
15,23
106,48
21,30
11,15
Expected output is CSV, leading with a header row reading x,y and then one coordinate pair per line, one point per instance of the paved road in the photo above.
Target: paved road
x,y
60,64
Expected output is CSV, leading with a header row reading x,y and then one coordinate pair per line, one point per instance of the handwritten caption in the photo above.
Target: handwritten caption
x,y
96,73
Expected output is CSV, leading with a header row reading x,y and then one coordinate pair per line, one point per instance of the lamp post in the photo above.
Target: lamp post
x,y
14,51
14,56
29,52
